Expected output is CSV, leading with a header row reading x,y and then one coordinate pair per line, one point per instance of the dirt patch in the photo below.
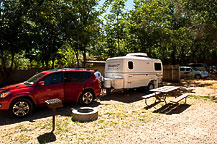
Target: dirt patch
x,y
123,118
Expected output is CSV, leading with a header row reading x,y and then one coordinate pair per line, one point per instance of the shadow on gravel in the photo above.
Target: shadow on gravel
x,y
170,109
151,105
42,112
129,96
46,138
179,109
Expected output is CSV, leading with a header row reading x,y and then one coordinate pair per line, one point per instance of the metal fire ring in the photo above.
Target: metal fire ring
x,y
84,114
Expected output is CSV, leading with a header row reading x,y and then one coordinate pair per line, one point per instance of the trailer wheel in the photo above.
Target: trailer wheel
x,y
108,91
150,86
85,114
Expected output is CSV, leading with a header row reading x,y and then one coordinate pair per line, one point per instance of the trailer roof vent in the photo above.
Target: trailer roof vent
x,y
137,54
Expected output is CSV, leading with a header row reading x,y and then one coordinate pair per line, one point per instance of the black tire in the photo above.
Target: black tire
x,y
108,91
87,97
150,86
21,107
197,76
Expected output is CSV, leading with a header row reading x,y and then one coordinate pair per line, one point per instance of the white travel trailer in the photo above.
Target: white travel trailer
x,y
132,71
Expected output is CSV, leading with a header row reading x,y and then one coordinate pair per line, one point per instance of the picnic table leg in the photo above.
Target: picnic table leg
x,y
185,100
161,99
165,99
146,102
157,99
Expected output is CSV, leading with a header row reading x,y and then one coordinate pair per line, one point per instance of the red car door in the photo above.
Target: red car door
x,y
74,85
53,87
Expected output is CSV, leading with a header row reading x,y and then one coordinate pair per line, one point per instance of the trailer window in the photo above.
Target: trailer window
x,y
157,66
130,65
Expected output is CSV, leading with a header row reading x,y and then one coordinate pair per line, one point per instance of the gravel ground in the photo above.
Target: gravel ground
x,y
123,119
198,124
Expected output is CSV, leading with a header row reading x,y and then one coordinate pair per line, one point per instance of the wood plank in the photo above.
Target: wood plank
x,y
150,95
180,98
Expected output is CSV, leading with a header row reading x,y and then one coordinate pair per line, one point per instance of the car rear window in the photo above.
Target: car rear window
x,y
76,76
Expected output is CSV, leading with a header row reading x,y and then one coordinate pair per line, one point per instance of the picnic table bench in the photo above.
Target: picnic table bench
x,y
150,95
179,98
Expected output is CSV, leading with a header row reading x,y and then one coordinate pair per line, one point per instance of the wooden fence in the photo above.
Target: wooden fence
x,y
17,76
171,73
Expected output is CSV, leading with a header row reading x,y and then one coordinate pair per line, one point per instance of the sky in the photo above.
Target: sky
x,y
129,4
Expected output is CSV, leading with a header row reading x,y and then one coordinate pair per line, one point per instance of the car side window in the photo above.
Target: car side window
x,y
188,69
76,76
182,69
53,78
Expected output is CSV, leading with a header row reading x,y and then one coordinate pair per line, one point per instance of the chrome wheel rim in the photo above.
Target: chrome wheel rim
x,y
87,98
21,108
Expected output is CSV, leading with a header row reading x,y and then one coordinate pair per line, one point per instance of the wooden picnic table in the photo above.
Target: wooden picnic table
x,y
165,89
162,92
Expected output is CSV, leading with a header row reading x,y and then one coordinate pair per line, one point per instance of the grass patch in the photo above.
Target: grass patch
x,y
23,138
199,97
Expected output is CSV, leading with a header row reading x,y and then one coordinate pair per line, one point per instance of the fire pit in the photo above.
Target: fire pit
x,y
84,114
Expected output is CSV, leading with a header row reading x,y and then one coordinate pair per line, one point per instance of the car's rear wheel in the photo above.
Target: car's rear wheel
x,y
86,97
197,76
21,107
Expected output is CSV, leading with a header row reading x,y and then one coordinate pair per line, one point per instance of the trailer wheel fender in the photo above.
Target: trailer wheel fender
x,y
84,114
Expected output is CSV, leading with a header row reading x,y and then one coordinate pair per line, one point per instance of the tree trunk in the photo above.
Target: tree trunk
x,y
4,71
42,64
53,61
173,56
12,61
47,64
3,66
84,57
77,56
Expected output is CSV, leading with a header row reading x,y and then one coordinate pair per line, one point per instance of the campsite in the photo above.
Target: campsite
x,y
123,118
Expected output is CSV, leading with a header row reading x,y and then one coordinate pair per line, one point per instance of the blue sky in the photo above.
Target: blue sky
x,y
129,4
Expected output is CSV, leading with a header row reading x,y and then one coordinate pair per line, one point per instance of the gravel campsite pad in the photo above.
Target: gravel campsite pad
x,y
123,118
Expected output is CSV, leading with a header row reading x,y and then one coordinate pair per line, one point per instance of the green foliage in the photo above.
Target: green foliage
x,y
42,28
47,33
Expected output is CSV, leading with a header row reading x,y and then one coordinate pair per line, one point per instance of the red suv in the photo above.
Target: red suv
x,y
69,85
